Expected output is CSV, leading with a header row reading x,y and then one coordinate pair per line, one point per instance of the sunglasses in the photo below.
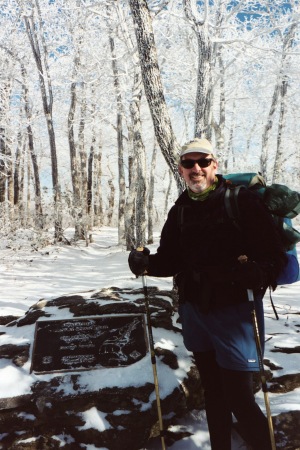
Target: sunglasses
x,y
189,163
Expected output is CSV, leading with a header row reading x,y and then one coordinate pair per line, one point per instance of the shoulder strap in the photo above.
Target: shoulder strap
x,y
231,202
232,209
180,216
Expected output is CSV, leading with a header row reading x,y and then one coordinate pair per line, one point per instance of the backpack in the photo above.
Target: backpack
x,y
284,205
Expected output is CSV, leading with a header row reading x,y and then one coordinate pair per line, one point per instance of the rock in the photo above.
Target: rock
x,y
77,408
73,408
4,320
285,383
287,427
19,354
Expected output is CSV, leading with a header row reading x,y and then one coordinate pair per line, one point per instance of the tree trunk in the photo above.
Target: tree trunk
x,y
39,219
167,195
111,201
280,155
287,43
28,194
7,152
21,206
17,171
267,131
73,158
204,78
83,167
121,172
151,195
140,155
3,159
220,126
204,83
153,85
10,182
40,58
230,152
130,213
98,205
90,178
2,165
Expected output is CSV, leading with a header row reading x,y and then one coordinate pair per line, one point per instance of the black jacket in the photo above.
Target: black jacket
x,y
200,246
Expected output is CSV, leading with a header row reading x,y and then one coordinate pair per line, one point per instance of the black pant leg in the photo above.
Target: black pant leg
x,y
218,414
238,389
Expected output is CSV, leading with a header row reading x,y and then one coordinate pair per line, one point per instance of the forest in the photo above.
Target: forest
x,y
96,98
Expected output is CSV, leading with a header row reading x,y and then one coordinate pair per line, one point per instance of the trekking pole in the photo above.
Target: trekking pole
x,y
261,368
243,260
153,361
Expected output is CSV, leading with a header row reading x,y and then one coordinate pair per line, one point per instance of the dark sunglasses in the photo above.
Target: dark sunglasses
x,y
189,163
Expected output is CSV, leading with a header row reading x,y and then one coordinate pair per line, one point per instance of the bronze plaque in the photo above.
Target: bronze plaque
x,y
88,343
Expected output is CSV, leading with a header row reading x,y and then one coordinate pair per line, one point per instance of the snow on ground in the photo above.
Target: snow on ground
x,y
28,275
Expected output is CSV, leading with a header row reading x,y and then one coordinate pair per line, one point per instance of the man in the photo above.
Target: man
x,y
202,247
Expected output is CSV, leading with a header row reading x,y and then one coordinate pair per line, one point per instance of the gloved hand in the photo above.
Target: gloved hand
x,y
250,275
138,260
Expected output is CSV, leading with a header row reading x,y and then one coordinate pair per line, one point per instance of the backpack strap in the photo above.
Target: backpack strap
x,y
231,203
181,214
232,209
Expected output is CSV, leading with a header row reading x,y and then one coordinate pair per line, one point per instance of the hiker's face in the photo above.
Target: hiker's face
x,y
198,178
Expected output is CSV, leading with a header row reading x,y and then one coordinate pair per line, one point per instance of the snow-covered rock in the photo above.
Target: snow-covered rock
x,y
110,407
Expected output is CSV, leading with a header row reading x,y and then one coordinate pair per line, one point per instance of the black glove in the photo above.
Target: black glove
x,y
138,260
249,275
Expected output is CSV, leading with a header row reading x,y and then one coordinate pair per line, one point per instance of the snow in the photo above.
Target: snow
x,y
94,419
27,276
14,381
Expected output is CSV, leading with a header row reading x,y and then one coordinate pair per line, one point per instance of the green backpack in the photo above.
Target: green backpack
x,y
284,205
